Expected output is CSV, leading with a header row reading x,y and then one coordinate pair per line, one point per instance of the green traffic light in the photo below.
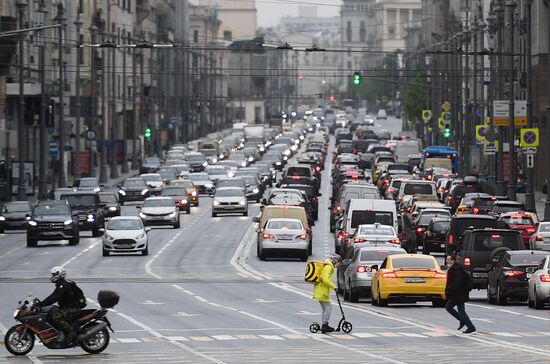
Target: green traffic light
x,y
147,133
356,78
447,132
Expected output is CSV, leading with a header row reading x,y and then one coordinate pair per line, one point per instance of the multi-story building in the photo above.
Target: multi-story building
x,y
238,18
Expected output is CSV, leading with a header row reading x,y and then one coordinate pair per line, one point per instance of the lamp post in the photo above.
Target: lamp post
x,y
62,177
529,193
43,168
499,12
78,23
21,189
512,178
135,164
93,92
124,167
547,203
112,105
491,29
467,116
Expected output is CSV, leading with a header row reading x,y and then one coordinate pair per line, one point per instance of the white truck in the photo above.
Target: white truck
x,y
254,132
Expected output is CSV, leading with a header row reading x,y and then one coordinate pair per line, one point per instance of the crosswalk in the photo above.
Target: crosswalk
x,y
331,336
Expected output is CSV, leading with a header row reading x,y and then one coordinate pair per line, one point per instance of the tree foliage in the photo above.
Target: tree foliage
x,y
414,96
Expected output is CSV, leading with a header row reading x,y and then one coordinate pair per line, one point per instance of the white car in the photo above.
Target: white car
x,y
381,115
125,234
154,181
376,234
160,211
538,289
540,240
285,237
229,200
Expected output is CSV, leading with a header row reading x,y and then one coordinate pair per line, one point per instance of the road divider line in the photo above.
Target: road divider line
x,y
87,249
11,251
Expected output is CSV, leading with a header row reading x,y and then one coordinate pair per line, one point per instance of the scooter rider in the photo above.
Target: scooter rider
x,y
63,295
321,290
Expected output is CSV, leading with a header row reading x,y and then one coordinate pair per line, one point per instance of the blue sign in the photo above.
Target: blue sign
x,y
53,148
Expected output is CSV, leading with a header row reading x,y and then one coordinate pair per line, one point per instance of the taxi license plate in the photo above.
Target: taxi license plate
x,y
415,280
479,275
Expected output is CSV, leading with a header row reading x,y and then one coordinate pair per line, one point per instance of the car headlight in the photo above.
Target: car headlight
x,y
32,223
173,214
66,222
140,236
242,202
204,164
184,201
215,203
122,192
243,164
209,185
214,160
251,159
142,215
90,217
230,174
221,156
194,193
2,218
294,148
97,189
277,163
262,149
287,152
15,313
144,191
112,208
255,190
108,237
285,157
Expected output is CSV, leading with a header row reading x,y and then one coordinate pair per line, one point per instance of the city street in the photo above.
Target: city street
x,y
202,296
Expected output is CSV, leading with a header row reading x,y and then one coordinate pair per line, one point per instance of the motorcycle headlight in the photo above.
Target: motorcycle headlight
x,y
142,215
255,190
209,185
204,164
122,192
66,222
112,208
215,203
144,191
140,236
32,223
242,202
108,237
15,313
194,193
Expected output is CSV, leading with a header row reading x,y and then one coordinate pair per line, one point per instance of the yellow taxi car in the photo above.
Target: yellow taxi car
x,y
409,278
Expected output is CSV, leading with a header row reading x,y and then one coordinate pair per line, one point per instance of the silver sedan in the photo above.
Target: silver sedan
x,y
538,289
285,237
540,240
229,200
160,211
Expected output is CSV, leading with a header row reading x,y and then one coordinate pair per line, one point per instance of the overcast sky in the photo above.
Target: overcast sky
x,y
269,11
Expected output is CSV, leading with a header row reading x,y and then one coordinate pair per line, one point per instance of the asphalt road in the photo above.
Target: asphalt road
x,y
202,296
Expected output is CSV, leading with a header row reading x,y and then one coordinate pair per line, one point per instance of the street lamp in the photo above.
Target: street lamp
x,y
78,23
491,21
21,189
61,173
499,13
529,193
43,168
512,178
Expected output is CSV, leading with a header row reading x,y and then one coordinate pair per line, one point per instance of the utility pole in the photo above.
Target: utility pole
x,y
93,92
104,150
530,193
78,23
21,188
61,173
491,29
512,179
124,167
547,203
499,12
112,97
135,164
467,116
43,168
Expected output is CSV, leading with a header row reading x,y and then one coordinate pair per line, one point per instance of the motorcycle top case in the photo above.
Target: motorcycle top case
x,y
107,299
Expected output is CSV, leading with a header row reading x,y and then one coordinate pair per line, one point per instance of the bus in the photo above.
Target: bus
x,y
438,151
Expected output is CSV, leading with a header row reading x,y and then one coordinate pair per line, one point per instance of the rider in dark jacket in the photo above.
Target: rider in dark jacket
x,y
68,309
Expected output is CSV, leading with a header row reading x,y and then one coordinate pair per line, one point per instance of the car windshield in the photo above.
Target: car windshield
x,y
42,210
506,208
487,242
135,183
125,224
418,188
426,218
107,198
152,178
158,202
250,180
484,202
80,200
441,226
16,207
413,263
199,177
371,230
196,158
377,255
527,259
153,161
186,184
271,157
235,182
88,182
209,152
216,170
517,220
233,192
174,191
298,172
370,217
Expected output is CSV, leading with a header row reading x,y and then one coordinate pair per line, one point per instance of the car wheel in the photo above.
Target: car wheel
x,y
425,249
310,248
304,256
245,213
214,214
530,302
106,253
96,232
501,300
1,231
31,242
121,203
261,253
74,241
339,289
177,225
438,302
258,200
490,298
188,210
381,302
353,296
145,251
345,293
197,204
538,303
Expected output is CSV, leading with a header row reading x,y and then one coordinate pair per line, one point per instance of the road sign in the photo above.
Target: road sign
x,y
441,123
426,115
530,160
501,111
490,148
529,137
53,148
529,150
446,115
480,132
446,106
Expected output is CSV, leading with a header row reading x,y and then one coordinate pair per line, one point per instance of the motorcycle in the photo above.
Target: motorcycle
x,y
91,327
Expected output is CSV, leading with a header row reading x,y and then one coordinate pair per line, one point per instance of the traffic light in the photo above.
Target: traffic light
x,y
356,78
447,131
147,133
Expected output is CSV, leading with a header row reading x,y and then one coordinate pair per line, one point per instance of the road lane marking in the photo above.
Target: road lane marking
x,y
512,312
537,317
84,251
11,251
224,337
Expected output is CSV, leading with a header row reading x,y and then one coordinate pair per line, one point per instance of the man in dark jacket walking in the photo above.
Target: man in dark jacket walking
x,y
459,284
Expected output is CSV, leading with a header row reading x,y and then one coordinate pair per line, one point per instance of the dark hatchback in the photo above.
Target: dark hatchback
x,y
109,203
52,220
508,278
435,236
150,165
461,223
14,215
133,189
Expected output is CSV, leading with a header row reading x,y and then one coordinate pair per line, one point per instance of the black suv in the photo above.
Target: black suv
x,y
52,220
87,208
133,189
483,248
461,223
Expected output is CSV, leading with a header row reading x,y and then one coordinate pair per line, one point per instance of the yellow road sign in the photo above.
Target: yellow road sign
x,y
441,123
529,137
426,115
446,106
480,132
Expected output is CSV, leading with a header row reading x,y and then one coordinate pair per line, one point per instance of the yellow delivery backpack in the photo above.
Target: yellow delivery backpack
x,y
313,271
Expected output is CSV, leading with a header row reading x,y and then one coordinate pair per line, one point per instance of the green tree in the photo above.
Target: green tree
x,y
414,96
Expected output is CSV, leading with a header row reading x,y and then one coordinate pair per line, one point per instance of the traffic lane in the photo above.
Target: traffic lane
x,y
393,124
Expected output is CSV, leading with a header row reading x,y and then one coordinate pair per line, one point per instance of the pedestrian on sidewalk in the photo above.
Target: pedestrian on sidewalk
x,y
321,290
457,291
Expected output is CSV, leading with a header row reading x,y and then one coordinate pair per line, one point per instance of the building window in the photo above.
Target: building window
x,y
362,31
349,65
195,36
348,31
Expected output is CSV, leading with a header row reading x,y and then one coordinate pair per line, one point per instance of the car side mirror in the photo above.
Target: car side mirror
x,y
101,185
319,194
530,270
255,219
264,202
374,267
444,267
147,229
138,206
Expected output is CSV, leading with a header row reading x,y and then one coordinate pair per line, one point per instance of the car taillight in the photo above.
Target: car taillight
x,y
531,230
391,189
419,229
540,237
341,235
495,236
451,239
395,241
441,190
317,169
439,275
386,182
295,177
363,269
467,262
389,275
267,236
358,240
545,277
449,198
302,236
475,210
513,273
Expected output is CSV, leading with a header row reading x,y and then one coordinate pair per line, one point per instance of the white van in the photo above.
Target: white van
x,y
381,115
404,148
369,211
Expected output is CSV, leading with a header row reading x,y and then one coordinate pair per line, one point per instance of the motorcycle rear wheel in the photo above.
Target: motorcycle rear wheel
x,y
18,345
97,343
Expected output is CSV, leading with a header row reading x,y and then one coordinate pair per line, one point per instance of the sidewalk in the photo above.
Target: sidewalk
x,y
540,200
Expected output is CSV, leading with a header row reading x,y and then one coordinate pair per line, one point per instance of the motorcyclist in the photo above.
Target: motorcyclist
x,y
69,309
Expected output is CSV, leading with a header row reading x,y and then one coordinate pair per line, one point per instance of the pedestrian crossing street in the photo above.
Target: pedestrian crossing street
x,y
331,336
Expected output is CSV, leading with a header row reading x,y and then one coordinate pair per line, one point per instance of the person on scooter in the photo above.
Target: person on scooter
x,y
321,290
69,308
